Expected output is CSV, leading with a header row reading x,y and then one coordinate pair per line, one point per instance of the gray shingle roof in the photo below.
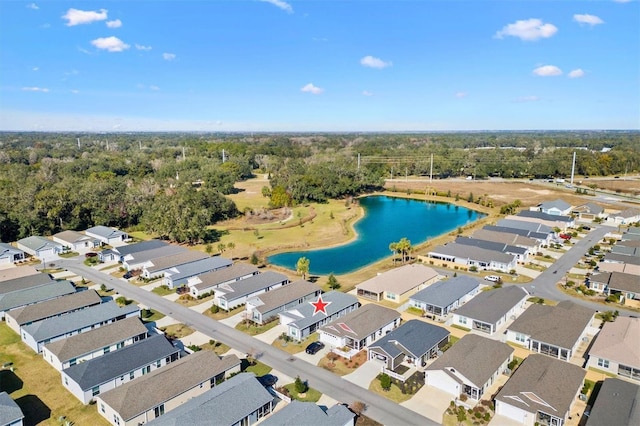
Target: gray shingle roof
x,y
491,245
545,216
543,384
84,343
303,314
146,255
489,306
21,283
9,250
444,293
250,285
54,307
10,412
558,204
590,208
475,357
232,273
505,238
620,281
299,413
283,295
72,237
622,258
473,253
138,247
133,398
100,370
198,267
518,231
175,260
528,226
36,242
416,336
105,231
78,320
225,404
35,294
617,403
362,322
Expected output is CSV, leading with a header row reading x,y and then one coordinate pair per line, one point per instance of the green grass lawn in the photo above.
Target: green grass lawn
x,y
459,327
153,315
69,254
177,331
394,394
162,290
259,369
221,314
251,328
218,347
311,395
294,347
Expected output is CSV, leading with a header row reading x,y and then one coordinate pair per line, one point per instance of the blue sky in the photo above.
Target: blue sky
x,y
324,65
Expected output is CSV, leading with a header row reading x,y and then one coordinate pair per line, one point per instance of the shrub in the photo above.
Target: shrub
x,y
300,386
463,397
385,381
215,309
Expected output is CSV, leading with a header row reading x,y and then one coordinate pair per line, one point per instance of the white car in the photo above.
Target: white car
x,y
492,278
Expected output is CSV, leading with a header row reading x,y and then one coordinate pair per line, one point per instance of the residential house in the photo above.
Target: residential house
x,y
358,329
616,349
617,403
7,274
474,257
542,390
35,313
543,238
31,295
95,343
413,343
627,248
108,236
229,296
521,253
133,404
241,400
40,247
555,207
10,254
625,286
93,377
441,298
304,319
531,244
397,284
526,226
550,220
632,233
24,282
209,281
588,212
624,217
76,241
180,275
10,412
621,258
626,268
138,259
490,310
298,413
469,367
556,331
156,267
266,306
119,253
39,334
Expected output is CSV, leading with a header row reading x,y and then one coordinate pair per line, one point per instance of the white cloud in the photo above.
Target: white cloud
x,y
373,62
461,95
154,88
116,23
310,88
577,73
35,89
530,30
523,99
33,6
75,91
141,47
622,1
547,71
168,56
77,17
367,93
35,69
588,19
280,4
110,44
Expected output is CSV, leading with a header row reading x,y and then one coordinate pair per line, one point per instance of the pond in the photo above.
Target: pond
x,y
386,220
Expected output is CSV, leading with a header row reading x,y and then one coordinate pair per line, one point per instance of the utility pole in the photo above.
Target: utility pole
x,y
358,161
78,142
184,155
431,170
573,167
224,158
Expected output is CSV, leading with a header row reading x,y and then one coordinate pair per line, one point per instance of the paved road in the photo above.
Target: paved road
x,y
378,407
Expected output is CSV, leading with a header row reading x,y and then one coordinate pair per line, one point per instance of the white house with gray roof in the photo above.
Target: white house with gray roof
x,y
107,235
32,295
91,378
555,207
490,310
298,413
24,282
616,348
228,296
542,390
173,385
39,334
624,217
10,254
119,253
589,212
156,267
470,256
413,343
95,343
180,275
531,244
209,281
303,320
241,400
40,247
524,225
10,412
138,259
443,297
469,367
359,329
617,403
397,284
542,237
266,306
76,241
625,286
521,253
556,331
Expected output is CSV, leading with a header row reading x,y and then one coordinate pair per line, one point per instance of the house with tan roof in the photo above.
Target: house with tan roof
x,y
589,212
556,331
76,241
265,306
397,284
156,267
209,281
133,403
7,274
625,286
616,348
624,217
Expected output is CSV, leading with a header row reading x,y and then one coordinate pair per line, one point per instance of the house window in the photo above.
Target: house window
x,y
631,372
95,391
521,338
604,363
158,364
116,419
66,382
131,375
106,350
72,361
462,320
159,410
102,408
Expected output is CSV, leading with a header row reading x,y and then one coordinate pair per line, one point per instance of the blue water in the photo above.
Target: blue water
x,y
386,220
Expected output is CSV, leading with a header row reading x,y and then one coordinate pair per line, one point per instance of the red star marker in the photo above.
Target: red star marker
x,y
320,306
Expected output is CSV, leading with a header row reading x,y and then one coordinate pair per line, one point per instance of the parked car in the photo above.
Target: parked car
x,y
127,275
492,278
268,380
565,236
586,228
314,347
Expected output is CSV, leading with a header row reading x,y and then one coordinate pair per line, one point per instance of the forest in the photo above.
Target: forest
x,y
175,184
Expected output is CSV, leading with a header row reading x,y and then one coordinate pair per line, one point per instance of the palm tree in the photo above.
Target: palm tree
x,y
231,245
221,247
302,267
403,247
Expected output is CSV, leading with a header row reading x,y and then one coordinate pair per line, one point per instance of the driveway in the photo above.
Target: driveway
x,y
430,402
201,307
234,320
365,374
270,335
315,358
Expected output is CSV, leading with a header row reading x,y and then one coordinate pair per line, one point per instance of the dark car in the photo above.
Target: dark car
x,y
268,380
127,275
314,347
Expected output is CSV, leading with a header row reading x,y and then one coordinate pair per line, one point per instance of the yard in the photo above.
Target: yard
x,y
340,365
251,328
177,331
37,388
293,347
